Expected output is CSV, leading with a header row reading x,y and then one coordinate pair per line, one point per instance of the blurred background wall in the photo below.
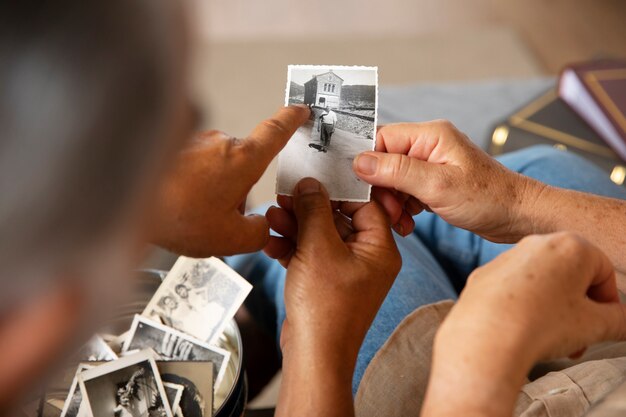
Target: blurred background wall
x,y
243,46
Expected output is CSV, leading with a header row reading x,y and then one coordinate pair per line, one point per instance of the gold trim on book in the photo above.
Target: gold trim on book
x,y
618,175
593,79
520,120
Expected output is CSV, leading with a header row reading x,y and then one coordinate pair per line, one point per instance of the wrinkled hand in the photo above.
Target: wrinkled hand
x,y
549,297
200,209
556,294
434,166
338,270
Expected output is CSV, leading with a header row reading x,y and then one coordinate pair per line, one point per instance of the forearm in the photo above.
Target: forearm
x,y
601,220
315,383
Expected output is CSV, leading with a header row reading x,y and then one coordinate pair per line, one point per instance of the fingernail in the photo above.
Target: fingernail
x,y
302,106
366,164
308,186
399,229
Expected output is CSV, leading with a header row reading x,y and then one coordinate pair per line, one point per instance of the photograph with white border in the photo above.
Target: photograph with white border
x,y
198,297
96,349
73,406
127,387
173,392
344,105
197,378
170,344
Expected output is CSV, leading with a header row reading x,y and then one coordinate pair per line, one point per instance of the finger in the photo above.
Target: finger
x,y
343,225
413,206
280,249
405,225
419,140
371,225
603,287
285,201
316,225
400,172
390,203
613,318
380,144
271,135
252,232
384,197
348,208
282,222
578,354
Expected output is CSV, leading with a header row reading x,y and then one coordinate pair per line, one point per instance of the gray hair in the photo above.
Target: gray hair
x,y
85,89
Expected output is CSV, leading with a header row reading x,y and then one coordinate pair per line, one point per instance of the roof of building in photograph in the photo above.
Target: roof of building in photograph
x,y
315,77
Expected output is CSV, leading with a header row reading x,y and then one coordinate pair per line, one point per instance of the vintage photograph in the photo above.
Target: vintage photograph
x,y
96,349
127,387
73,406
197,379
198,297
171,344
173,392
343,103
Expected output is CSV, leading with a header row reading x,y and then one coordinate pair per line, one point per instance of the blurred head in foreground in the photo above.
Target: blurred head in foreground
x,y
92,99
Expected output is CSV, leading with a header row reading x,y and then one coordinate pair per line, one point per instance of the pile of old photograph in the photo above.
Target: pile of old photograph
x,y
170,362
343,102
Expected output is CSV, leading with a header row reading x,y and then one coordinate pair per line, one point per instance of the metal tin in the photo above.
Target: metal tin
x,y
230,397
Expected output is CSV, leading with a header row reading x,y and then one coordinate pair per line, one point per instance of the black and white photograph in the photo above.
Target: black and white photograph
x,y
198,297
343,102
173,392
127,387
171,344
197,380
96,349
73,406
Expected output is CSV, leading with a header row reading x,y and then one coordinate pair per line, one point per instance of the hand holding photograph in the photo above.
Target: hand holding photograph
x,y
198,297
343,102
127,387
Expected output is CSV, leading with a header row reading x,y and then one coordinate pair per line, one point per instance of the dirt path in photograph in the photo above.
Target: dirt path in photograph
x,y
333,168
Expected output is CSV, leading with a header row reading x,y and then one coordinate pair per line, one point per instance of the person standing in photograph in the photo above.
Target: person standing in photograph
x,y
326,125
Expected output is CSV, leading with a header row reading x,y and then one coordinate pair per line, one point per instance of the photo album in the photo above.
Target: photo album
x,y
343,102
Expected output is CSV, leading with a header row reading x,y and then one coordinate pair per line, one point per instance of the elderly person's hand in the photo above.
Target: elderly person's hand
x,y
200,208
434,166
338,274
549,297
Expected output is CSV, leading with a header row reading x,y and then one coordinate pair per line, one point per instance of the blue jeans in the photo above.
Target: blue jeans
x,y
437,257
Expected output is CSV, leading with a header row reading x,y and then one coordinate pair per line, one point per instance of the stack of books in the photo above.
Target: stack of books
x,y
585,114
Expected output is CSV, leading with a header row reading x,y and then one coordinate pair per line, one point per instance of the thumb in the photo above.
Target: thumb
x,y
314,213
400,172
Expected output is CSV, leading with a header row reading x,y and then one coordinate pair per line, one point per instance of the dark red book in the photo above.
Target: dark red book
x,y
596,90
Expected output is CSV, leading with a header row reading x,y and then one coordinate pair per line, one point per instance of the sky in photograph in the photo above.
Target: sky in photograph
x,y
350,77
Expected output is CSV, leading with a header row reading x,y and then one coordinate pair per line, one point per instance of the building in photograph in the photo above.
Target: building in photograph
x,y
323,90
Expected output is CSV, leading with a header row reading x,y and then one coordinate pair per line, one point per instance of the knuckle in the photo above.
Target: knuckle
x,y
445,125
568,243
276,124
475,275
399,166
